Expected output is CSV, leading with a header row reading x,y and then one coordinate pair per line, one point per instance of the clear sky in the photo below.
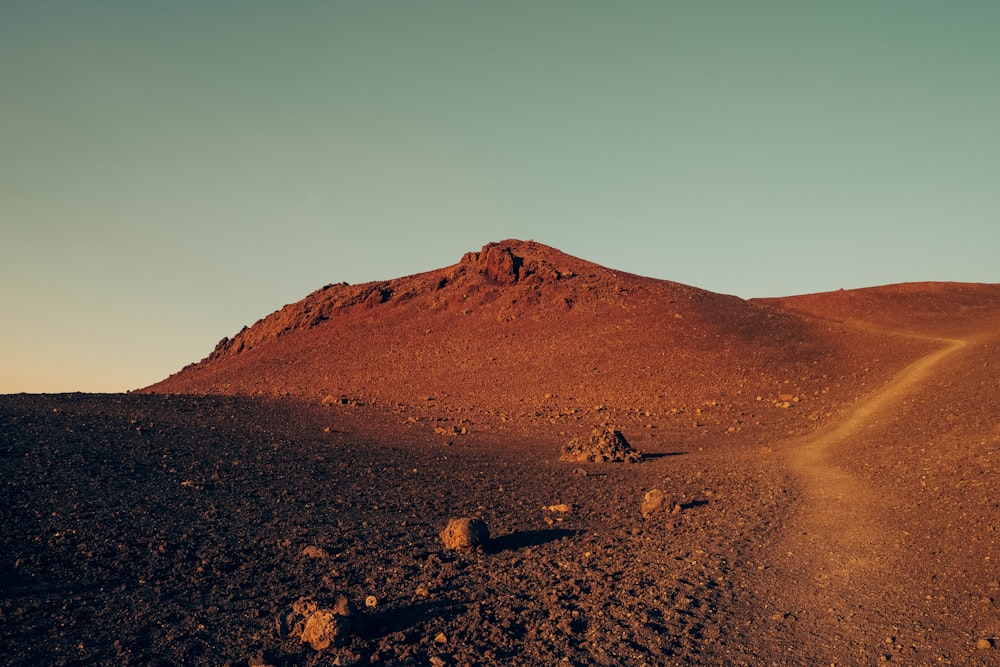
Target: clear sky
x,y
171,171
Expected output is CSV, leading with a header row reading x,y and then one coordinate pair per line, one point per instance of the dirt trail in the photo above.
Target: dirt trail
x,y
829,575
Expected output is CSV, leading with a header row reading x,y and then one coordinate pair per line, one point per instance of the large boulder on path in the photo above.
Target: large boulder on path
x,y
603,445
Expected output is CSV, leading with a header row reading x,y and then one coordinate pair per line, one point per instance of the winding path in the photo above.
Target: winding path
x,y
830,572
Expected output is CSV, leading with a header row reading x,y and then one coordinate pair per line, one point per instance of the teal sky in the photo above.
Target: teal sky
x,y
171,171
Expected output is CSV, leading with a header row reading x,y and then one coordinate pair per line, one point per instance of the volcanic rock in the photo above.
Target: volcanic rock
x,y
313,551
465,533
652,501
498,264
325,628
316,626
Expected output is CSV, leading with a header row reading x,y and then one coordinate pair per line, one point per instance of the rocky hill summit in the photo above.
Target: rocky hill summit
x,y
494,270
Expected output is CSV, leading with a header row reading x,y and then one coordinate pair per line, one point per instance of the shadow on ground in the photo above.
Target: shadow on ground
x,y
528,538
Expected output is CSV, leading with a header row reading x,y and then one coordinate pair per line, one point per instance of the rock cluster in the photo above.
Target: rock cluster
x,y
603,445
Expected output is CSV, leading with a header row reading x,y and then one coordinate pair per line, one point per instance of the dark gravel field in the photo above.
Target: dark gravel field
x,y
142,530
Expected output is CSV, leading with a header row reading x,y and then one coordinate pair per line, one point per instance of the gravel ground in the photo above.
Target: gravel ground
x,y
852,522
172,530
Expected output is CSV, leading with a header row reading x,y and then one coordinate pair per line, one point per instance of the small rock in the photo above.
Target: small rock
x,y
325,628
465,533
441,638
651,502
342,606
561,507
437,662
314,552
259,660
371,601
984,643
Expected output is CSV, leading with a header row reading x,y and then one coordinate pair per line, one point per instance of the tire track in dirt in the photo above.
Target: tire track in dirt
x,y
829,574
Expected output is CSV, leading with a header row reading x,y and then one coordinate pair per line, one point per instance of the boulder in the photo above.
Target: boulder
x,y
320,627
465,533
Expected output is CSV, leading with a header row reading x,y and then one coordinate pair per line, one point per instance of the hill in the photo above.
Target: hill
x,y
523,332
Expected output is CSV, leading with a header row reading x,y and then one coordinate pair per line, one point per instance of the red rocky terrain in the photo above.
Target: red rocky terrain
x,y
815,485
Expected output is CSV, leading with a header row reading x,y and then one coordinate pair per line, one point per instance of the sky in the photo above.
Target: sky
x,y
172,171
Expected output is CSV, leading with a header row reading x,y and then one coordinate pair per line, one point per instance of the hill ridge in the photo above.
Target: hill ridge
x,y
523,331
526,265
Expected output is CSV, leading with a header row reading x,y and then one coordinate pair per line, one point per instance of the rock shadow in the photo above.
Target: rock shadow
x,y
692,504
403,618
528,538
660,455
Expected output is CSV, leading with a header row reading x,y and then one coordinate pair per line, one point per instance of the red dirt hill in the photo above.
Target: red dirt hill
x,y
520,329
927,308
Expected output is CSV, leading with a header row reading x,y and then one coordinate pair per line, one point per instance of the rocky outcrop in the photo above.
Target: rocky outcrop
x,y
501,264
318,307
497,263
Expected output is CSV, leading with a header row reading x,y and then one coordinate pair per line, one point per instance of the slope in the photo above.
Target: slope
x,y
522,331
